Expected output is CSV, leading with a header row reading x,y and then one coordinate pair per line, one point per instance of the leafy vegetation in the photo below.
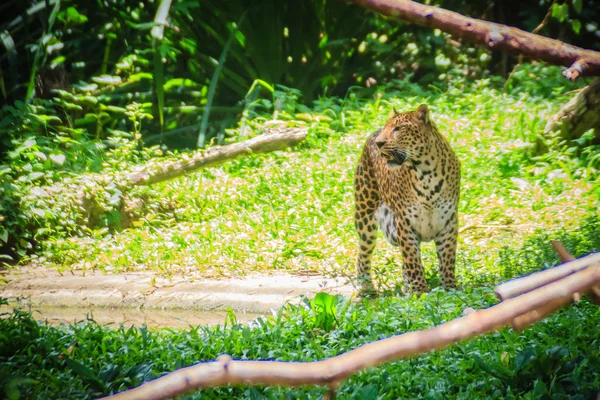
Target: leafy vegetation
x,y
286,210
105,87
291,210
557,358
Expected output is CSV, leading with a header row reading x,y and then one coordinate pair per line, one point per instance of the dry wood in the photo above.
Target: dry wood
x,y
332,371
563,253
523,321
579,115
489,226
566,256
519,286
158,172
581,62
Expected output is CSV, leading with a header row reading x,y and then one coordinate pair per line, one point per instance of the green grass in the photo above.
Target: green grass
x,y
559,358
292,211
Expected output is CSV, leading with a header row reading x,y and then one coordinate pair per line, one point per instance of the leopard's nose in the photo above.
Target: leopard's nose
x,y
379,144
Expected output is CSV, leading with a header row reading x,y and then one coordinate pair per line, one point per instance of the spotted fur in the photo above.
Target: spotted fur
x,y
407,182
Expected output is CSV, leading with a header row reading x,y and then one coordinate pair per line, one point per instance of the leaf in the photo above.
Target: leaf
x,y
4,235
143,26
576,26
58,158
560,11
74,16
49,119
112,108
109,373
523,358
5,169
107,79
491,368
213,83
86,87
159,81
140,76
141,373
38,212
557,352
28,144
24,244
366,392
578,6
40,155
540,389
85,373
34,175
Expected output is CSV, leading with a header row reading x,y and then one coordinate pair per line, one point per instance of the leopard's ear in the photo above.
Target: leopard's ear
x,y
423,113
393,113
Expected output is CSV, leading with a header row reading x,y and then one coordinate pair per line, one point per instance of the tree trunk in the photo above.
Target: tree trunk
x,y
578,116
157,172
581,62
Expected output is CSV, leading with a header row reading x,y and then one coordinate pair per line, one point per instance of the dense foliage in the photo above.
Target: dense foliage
x,y
214,60
285,214
506,187
558,358
94,89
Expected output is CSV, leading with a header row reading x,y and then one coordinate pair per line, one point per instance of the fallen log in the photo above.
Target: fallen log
x,y
331,372
579,115
581,62
154,172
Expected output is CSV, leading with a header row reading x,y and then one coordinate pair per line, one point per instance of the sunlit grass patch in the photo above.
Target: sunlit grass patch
x,y
292,210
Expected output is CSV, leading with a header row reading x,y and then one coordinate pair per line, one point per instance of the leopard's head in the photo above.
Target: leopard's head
x,y
406,136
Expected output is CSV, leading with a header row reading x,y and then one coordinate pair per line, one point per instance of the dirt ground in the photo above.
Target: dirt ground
x,y
136,298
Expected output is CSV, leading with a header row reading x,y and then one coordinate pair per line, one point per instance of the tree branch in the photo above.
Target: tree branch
x,y
332,371
581,62
518,286
161,171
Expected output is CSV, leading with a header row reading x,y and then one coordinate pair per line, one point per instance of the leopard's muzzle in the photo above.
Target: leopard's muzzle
x,y
395,158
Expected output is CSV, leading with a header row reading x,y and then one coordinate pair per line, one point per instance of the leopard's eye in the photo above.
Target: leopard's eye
x,y
396,129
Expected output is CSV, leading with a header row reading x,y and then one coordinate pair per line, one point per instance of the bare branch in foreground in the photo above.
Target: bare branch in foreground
x,y
581,62
519,286
332,371
566,256
158,172
563,253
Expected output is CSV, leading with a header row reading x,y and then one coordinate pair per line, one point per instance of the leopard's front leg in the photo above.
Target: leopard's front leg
x,y
445,244
412,265
366,200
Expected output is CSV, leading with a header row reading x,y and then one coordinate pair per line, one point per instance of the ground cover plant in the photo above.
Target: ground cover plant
x,y
100,88
558,358
291,211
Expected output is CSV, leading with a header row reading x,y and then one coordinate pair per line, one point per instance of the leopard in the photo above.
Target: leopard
x,y
407,183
